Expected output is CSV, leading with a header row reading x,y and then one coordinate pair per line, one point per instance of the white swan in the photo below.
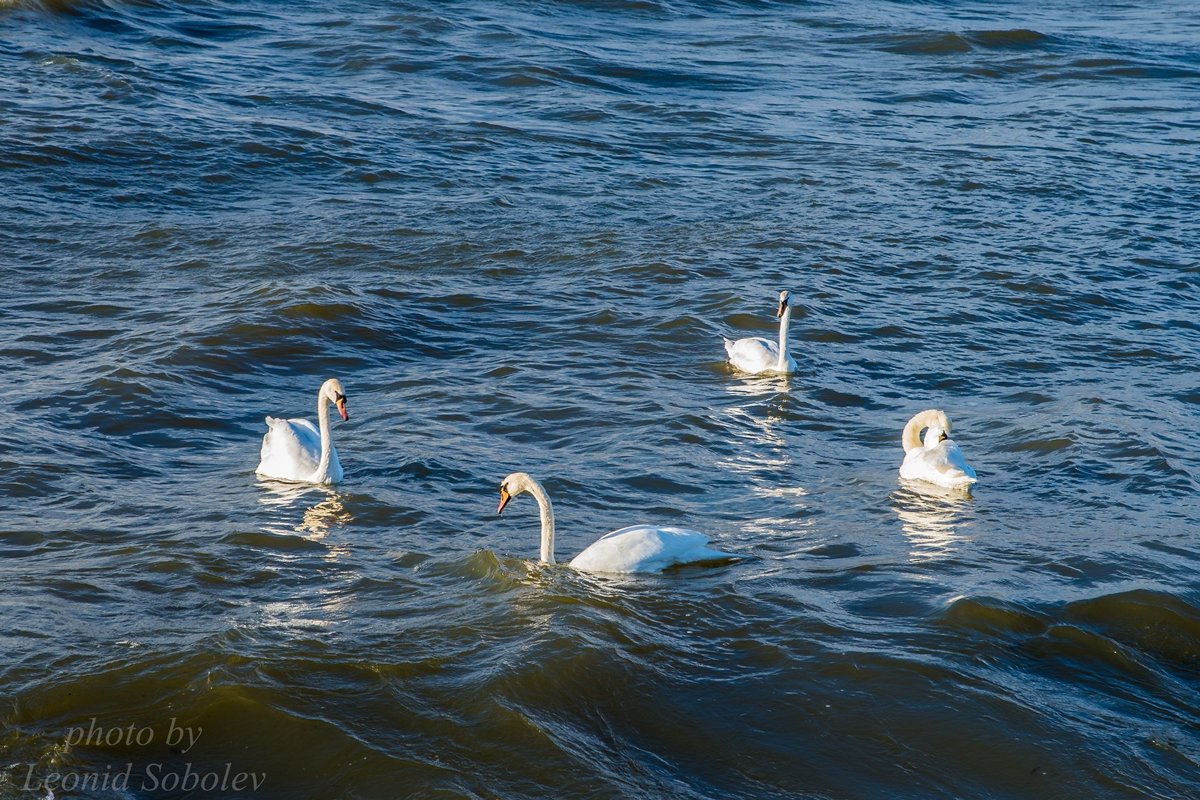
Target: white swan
x,y
294,450
755,354
938,460
639,548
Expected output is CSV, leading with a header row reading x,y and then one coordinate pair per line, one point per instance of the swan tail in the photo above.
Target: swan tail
x,y
960,478
729,345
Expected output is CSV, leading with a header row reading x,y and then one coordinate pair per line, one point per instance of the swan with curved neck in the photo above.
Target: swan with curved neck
x,y
639,548
757,355
938,458
297,450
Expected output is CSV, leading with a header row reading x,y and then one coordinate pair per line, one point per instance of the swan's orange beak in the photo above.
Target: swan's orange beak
x,y
504,498
782,308
341,407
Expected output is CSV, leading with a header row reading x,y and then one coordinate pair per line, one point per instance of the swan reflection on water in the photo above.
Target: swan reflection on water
x,y
311,512
318,519
759,419
760,385
764,454
931,517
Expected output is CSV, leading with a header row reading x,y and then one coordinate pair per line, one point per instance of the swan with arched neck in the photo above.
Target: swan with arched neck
x,y
937,459
638,548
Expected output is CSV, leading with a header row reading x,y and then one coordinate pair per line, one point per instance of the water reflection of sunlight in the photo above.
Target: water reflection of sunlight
x,y
319,509
758,420
300,615
931,518
762,453
786,529
760,385
277,494
319,518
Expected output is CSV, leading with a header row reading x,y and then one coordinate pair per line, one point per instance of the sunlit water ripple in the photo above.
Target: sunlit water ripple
x,y
517,233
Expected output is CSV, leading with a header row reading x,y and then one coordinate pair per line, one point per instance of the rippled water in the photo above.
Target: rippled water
x,y
517,233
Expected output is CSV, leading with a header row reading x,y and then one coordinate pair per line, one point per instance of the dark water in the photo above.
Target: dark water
x,y
516,232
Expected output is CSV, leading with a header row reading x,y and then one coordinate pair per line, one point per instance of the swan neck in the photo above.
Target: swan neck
x,y
547,512
323,420
911,437
783,339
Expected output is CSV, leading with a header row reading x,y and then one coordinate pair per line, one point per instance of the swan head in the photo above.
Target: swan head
x,y
332,391
515,484
938,430
783,304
